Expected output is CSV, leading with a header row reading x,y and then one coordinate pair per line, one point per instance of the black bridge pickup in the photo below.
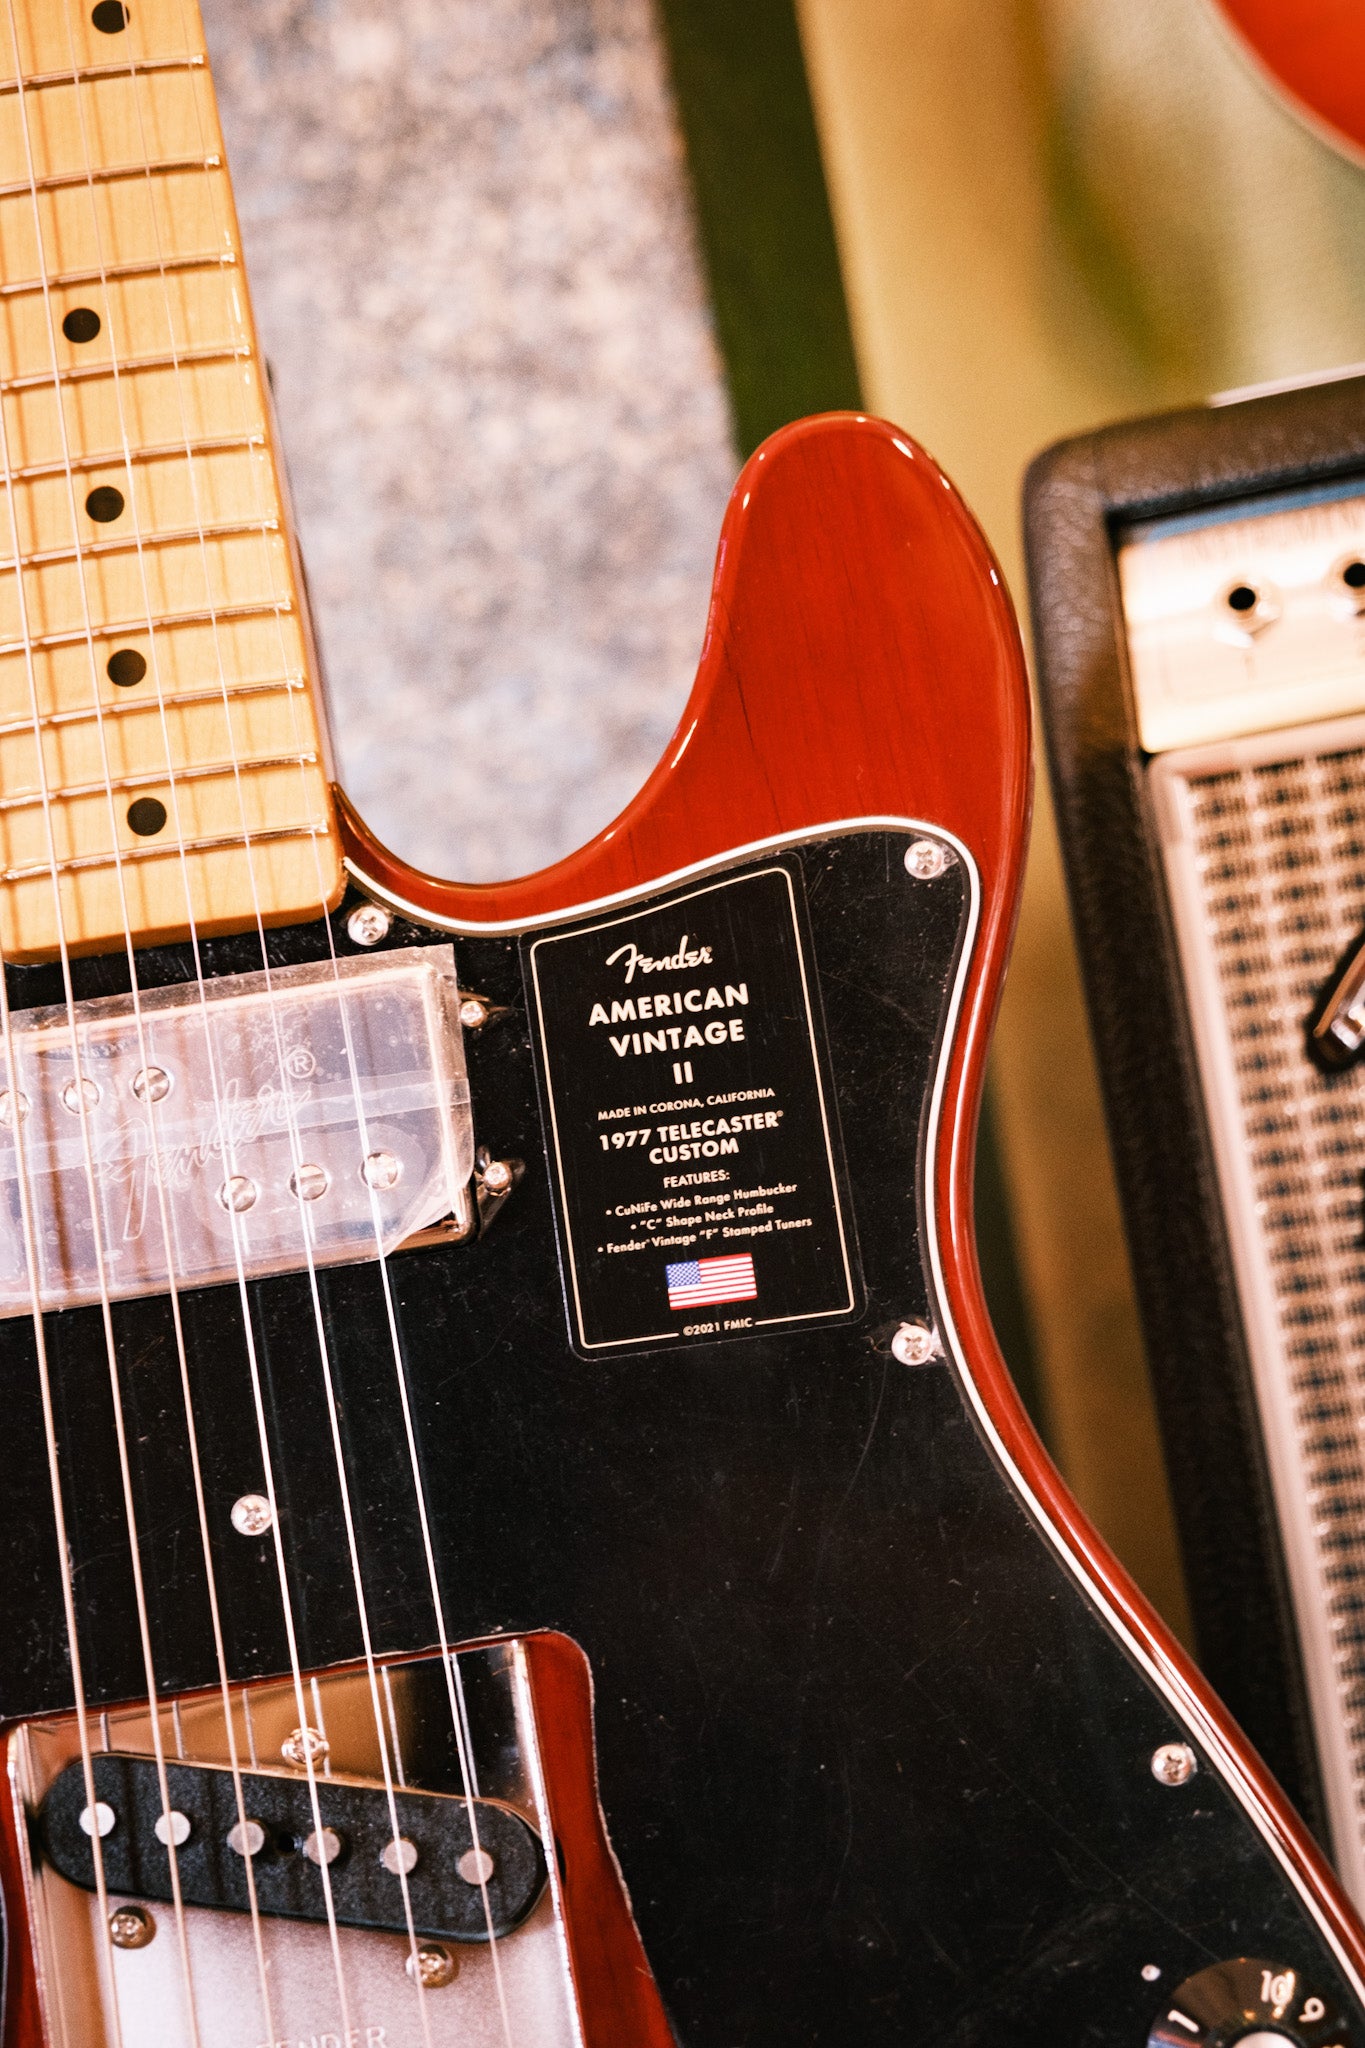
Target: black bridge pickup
x,y
357,1842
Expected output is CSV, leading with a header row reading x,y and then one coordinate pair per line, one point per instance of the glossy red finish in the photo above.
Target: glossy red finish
x,y
617,1996
1313,50
861,659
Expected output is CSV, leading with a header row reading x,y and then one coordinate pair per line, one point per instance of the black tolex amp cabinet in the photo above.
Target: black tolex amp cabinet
x,y
1198,586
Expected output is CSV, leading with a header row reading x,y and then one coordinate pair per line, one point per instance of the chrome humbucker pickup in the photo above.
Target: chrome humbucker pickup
x,y
224,1129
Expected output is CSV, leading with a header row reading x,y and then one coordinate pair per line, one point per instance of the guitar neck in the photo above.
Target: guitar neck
x,y
162,749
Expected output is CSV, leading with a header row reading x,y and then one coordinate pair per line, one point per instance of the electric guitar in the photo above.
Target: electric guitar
x,y
517,1529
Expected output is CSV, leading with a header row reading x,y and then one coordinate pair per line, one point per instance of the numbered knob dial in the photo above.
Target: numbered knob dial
x,y
1252,2003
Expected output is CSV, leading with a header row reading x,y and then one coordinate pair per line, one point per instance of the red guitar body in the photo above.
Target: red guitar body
x,y
888,1746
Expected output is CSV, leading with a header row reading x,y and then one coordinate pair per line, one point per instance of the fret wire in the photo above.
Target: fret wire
x,y
41,81
130,707
147,778
81,373
71,636
227,529
66,280
161,451
109,174
219,842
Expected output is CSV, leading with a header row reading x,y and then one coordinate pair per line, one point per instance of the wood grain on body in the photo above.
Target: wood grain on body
x,y
115,202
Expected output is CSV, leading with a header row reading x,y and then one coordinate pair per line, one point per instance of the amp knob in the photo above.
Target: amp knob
x,y
1252,2003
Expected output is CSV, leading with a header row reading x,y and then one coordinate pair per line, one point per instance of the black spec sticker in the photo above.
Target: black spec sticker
x,y
690,1126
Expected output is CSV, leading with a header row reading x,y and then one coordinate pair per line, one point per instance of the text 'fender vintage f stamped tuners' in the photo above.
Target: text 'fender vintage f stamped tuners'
x,y
1250,2002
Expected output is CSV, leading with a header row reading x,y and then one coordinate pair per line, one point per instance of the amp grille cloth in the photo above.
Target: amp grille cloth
x,y
1280,852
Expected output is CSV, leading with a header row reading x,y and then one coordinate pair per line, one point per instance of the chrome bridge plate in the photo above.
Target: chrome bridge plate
x,y
231,1128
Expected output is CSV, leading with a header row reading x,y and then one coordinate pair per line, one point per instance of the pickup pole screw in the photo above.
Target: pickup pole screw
x,y
302,1745
151,1084
399,1857
252,1515
381,1170
246,1837
431,1966
476,1866
172,1827
131,1927
367,924
89,1095
323,1846
103,1822
238,1194
7,1107
926,859
915,1344
473,1013
308,1182
1175,1763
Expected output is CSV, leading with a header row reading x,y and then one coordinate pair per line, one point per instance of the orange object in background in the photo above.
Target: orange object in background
x,y
1314,51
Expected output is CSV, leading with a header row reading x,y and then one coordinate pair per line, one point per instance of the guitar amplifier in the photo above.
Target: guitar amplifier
x,y
1198,585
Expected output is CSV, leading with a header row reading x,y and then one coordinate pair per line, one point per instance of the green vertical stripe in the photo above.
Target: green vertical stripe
x,y
762,210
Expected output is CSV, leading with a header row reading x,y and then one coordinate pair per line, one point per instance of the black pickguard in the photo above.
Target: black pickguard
x,y
874,1768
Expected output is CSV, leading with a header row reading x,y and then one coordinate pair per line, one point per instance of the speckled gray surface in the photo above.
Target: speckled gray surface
x,y
469,238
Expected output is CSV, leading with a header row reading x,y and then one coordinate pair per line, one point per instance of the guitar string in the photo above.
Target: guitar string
x,y
153,1711
458,1718
460,1729
324,1340
78,1088
454,1686
308,1760
334,1420
158,1174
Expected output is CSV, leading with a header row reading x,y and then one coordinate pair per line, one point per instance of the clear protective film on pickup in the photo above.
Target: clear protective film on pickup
x,y
319,1110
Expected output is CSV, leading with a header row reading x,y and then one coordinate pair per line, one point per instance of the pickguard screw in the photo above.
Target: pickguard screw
x,y
367,924
431,1966
473,1013
131,1927
926,858
915,1344
251,1515
1175,1763
302,1745
476,1866
1150,1972
497,1177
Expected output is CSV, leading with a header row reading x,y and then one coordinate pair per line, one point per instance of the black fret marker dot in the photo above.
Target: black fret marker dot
x,y
1353,575
126,668
82,323
104,504
110,16
147,816
1242,598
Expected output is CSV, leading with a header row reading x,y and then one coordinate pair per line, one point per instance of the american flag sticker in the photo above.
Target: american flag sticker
x,y
697,1283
